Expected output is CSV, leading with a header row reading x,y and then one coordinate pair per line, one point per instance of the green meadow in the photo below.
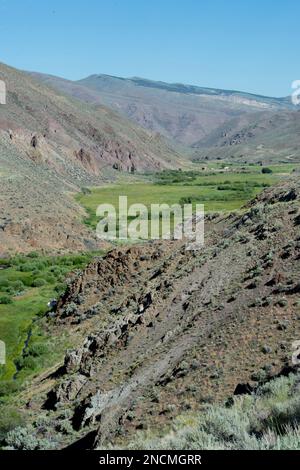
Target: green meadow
x,y
218,189
27,284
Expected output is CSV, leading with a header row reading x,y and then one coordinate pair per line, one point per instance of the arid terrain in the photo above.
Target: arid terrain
x,y
169,331
51,145
115,345
210,123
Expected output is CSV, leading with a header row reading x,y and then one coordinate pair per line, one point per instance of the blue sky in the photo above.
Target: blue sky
x,y
246,45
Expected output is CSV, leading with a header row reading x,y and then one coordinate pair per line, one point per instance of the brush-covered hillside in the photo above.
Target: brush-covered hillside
x,y
169,332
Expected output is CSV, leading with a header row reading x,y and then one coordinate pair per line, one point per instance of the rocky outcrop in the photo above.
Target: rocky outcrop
x,y
176,329
34,142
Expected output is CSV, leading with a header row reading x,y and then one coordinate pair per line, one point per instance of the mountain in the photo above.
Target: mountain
x,y
269,137
170,331
51,144
187,114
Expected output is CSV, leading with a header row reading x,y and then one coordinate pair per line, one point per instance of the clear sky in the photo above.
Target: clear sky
x,y
250,45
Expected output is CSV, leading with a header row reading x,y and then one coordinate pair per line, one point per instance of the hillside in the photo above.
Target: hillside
x,y
190,115
51,144
261,137
169,331
264,420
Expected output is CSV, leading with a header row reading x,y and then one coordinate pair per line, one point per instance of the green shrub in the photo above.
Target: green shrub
x,y
23,438
33,254
56,270
27,268
60,288
37,349
39,282
268,419
26,362
50,279
86,191
17,285
5,300
10,418
8,387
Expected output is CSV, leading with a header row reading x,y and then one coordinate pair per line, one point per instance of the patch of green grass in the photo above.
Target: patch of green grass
x,y
218,190
148,194
27,285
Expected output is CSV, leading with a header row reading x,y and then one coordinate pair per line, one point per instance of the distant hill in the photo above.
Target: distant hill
x,y
268,137
185,113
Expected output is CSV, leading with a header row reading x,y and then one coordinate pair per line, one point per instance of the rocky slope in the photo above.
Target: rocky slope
x,y
216,123
262,137
168,330
187,114
51,144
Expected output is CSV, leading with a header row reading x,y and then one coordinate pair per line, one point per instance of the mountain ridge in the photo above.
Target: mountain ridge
x,y
186,114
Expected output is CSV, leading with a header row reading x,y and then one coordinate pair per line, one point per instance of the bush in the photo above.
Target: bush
x,y
27,267
56,270
86,191
268,419
10,419
5,300
60,288
39,282
17,285
50,279
7,387
33,254
70,309
37,349
27,362
23,438
266,171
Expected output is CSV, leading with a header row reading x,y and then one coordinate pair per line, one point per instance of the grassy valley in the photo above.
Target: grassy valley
x,y
149,344
220,187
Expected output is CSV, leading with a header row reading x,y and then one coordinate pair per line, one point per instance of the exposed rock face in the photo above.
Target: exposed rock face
x,y
174,329
34,141
65,392
73,360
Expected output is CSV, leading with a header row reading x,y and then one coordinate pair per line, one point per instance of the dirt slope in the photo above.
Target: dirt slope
x,y
168,329
51,144
262,137
215,123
